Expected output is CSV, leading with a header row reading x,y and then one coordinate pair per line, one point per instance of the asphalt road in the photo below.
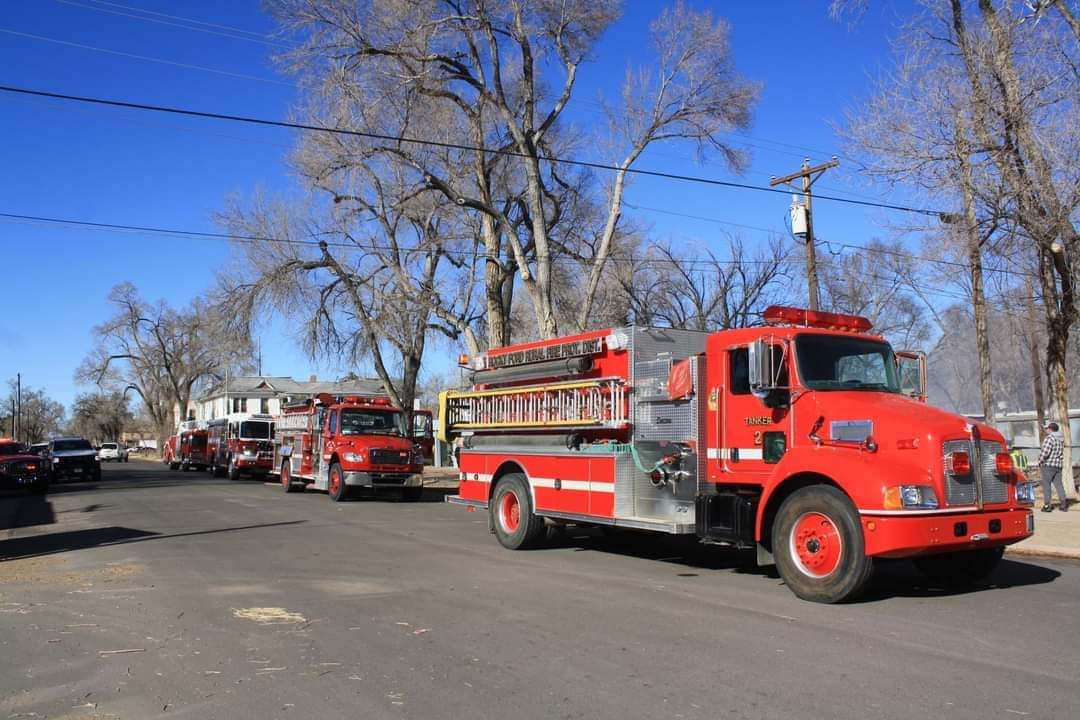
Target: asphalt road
x,y
238,601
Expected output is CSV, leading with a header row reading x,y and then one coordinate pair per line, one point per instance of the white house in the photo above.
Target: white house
x,y
266,394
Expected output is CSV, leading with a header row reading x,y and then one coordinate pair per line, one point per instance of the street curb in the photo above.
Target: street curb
x,y
1042,551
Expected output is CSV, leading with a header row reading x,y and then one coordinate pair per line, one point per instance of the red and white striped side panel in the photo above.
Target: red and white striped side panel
x,y
571,483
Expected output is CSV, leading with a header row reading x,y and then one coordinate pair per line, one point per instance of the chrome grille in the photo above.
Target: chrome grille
x,y
995,488
961,489
389,457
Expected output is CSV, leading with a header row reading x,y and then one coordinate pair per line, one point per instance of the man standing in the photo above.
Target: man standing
x,y
1050,461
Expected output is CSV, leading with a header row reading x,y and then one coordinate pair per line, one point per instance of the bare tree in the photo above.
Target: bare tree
x,y
500,75
100,416
40,416
160,353
698,290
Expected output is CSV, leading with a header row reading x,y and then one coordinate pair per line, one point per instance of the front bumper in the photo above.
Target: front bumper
x,y
254,464
900,536
23,482
383,479
75,471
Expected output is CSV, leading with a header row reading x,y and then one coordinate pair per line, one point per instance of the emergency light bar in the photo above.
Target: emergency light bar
x,y
778,314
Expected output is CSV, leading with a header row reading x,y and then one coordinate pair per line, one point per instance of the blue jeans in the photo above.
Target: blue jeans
x,y
1050,474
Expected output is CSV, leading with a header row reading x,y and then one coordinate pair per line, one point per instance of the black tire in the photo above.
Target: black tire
x,y
213,467
39,488
286,476
818,544
97,475
412,493
512,518
960,568
338,491
232,471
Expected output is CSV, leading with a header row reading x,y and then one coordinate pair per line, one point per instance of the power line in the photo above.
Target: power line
x,y
251,239
196,21
830,243
146,58
233,33
442,144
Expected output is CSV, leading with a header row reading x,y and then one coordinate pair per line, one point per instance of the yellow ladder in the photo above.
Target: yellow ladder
x,y
576,403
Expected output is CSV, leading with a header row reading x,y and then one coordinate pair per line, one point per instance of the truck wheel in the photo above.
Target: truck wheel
x,y
174,466
412,493
286,476
960,568
516,527
818,545
233,471
338,489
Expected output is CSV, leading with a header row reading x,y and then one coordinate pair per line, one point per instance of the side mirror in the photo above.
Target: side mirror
x,y
911,367
762,373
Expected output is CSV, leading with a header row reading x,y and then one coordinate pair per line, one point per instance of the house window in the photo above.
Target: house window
x,y
264,406
239,404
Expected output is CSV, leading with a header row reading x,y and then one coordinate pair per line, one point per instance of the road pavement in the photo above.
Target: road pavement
x,y
168,594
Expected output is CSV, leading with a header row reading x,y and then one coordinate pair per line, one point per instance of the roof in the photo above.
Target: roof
x,y
275,386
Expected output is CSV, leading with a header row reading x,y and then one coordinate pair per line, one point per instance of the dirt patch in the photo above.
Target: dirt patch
x,y
269,616
54,570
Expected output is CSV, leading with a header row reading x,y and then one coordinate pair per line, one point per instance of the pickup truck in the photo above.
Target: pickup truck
x,y
113,451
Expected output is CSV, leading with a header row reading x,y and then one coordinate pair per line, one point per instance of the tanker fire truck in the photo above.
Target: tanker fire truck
x,y
795,439
240,444
336,444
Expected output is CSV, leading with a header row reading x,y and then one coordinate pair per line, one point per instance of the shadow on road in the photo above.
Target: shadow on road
x,y
25,511
52,543
899,578
892,578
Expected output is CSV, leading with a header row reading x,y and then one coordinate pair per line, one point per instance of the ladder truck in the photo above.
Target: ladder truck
x,y
806,440
337,444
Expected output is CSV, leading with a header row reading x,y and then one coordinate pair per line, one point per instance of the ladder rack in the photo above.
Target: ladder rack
x,y
601,402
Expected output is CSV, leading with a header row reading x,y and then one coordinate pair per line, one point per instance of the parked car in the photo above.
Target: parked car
x,y
73,457
113,451
21,469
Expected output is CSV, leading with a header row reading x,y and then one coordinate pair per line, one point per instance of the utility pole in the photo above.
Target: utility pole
x,y
18,405
809,176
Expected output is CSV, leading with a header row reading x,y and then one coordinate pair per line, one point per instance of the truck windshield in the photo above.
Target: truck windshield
x,y
255,430
62,445
831,362
10,448
372,422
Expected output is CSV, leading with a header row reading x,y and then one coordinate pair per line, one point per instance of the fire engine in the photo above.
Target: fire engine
x,y
191,446
335,444
240,444
797,439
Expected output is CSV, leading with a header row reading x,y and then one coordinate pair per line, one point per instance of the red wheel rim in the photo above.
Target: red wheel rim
x,y
509,512
816,546
335,481
285,480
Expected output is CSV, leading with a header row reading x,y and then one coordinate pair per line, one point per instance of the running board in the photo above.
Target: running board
x,y
671,528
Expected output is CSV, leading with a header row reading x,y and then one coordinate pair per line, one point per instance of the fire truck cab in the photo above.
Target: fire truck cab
x,y
336,444
794,439
241,444
170,454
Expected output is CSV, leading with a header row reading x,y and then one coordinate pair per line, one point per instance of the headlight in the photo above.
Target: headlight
x,y
911,497
354,457
249,451
1025,493
55,460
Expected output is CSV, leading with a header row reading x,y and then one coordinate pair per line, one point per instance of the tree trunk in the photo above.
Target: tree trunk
x,y
974,248
1036,366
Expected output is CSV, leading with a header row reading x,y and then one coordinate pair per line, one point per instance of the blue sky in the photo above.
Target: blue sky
x,y
120,166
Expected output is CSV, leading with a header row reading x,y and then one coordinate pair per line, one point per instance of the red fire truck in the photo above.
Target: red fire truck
x,y
795,439
336,444
240,444
192,446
